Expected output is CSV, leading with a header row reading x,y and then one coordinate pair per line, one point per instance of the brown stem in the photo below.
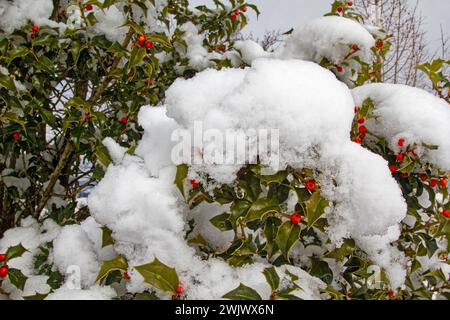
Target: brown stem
x,y
108,78
68,148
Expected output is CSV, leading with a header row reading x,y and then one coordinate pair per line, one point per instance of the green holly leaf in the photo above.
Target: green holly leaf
x,y
222,222
182,171
17,278
272,278
261,207
315,208
107,239
15,252
118,263
242,293
159,275
288,234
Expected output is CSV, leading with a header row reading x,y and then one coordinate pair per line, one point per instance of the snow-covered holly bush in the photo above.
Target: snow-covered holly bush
x,y
223,170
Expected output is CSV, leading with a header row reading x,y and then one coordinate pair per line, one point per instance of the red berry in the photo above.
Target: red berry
x,y
141,43
433,183
141,38
356,109
340,9
362,129
357,140
349,3
310,185
236,13
340,69
194,183
244,9
2,257
393,168
362,135
126,276
148,44
414,153
296,218
35,28
149,82
233,17
401,142
400,157
443,182
404,175
179,289
391,293
446,213
89,7
16,136
361,120
355,47
423,177
124,120
4,271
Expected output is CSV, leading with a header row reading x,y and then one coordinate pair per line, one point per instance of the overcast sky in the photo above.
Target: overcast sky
x,y
285,14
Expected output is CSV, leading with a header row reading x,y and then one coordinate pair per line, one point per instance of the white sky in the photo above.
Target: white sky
x,y
285,14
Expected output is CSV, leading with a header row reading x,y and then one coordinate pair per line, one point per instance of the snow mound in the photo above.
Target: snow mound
x,y
327,37
138,201
409,113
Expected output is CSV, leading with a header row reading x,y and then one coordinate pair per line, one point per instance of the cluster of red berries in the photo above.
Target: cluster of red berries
x,y
235,14
341,9
362,129
194,183
4,268
142,41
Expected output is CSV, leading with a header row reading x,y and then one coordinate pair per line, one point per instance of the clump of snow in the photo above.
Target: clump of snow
x,y
314,126
410,113
116,152
93,293
327,37
16,14
73,249
110,23
250,50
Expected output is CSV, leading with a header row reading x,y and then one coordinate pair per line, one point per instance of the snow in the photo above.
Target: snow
x,y
16,14
73,248
327,37
409,113
250,50
110,23
93,293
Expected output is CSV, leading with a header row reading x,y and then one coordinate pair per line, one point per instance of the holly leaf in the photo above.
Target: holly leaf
x,y
17,278
15,252
315,208
261,207
159,275
242,293
118,263
181,174
288,234
37,296
272,278
222,222
106,237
